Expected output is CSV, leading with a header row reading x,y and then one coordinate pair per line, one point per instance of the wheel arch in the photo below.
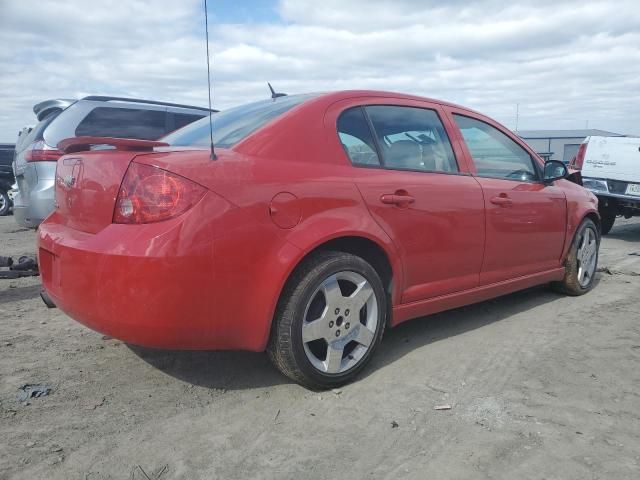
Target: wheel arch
x,y
372,250
595,218
574,222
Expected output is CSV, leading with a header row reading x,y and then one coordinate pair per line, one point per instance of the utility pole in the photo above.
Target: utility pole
x,y
517,115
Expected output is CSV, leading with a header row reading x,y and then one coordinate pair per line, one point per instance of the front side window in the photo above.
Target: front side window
x,y
412,138
356,138
494,154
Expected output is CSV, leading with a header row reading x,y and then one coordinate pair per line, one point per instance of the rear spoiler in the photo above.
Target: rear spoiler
x,y
83,144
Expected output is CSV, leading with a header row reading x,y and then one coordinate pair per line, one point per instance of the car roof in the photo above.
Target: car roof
x,y
43,109
331,97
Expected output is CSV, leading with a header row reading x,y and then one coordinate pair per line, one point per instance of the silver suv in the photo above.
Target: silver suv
x,y
36,154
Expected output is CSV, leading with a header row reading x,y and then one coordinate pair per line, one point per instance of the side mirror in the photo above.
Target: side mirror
x,y
554,170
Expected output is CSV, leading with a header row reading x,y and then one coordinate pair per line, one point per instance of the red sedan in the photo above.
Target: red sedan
x,y
321,220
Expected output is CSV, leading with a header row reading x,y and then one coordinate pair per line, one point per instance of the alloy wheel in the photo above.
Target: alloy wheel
x,y
587,256
340,322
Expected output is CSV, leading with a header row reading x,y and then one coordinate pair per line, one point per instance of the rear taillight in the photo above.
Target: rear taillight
x,y
41,152
149,194
578,160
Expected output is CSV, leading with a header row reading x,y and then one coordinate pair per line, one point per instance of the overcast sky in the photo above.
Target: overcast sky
x,y
565,62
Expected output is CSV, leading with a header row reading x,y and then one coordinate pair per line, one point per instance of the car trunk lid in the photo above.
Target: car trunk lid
x,y
87,181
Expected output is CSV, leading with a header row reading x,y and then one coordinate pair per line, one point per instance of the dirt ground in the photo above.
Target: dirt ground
x,y
541,387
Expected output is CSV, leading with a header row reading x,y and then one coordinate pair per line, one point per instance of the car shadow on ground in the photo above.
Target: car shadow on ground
x,y
240,370
19,293
228,370
417,333
627,232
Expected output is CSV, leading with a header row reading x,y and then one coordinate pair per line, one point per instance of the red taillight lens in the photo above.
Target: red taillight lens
x,y
41,152
149,194
578,160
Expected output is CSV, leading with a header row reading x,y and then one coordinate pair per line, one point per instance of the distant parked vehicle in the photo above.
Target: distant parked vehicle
x,y
611,169
6,177
36,153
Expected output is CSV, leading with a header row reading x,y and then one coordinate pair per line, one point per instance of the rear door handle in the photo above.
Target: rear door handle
x,y
400,199
503,200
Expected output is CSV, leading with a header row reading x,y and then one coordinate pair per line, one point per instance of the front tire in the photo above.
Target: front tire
x,y
582,261
330,319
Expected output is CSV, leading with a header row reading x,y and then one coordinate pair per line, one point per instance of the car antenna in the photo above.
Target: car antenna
x,y
206,29
275,95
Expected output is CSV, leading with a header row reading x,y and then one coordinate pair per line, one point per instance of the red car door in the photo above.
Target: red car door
x,y
411,182
525,218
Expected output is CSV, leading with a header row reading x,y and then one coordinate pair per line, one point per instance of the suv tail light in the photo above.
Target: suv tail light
x,y
149,194
578,160
41,152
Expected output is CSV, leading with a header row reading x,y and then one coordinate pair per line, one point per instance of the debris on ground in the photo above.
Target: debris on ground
x,y
25,263
442,407
611,271
28,391
92,404
337,391
394,424
26,267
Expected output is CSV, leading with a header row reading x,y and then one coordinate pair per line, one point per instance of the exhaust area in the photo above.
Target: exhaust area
x,y
47,299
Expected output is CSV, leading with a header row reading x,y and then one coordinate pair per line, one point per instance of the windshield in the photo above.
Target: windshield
x,y
231,126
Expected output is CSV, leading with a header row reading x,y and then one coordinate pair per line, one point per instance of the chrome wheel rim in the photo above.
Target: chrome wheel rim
x,y
3,203
340,322
587,256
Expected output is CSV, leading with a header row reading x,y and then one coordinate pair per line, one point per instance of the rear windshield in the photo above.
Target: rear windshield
x,y
231,126
137,123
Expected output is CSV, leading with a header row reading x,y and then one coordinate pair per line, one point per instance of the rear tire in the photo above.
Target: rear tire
x,y
329,321
582,261
5,203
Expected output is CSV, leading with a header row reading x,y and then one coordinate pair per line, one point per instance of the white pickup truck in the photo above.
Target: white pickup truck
x,y
610,168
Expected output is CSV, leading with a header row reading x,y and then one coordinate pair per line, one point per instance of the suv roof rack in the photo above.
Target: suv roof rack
x,y
103,98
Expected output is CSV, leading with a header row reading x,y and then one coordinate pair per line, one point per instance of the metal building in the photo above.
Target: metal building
x,y
560,144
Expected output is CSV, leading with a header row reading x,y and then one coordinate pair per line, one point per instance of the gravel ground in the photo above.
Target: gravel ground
x,y
541,386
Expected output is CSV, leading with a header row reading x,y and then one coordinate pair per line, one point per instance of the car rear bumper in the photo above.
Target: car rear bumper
x,y
32,207
152,285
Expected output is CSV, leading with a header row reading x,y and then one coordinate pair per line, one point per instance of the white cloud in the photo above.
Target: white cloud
x,y
564,62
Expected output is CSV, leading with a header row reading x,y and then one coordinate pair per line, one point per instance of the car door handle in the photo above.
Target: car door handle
x,y
503,200
400,199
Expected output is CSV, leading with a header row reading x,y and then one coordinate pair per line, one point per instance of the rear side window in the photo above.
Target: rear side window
x,y
412,138
123,123
233,125
494,154
356,137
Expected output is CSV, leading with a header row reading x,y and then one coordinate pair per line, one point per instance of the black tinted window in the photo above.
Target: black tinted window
x,y
231,126
123,123
494,153
182,119
356,137
412,139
